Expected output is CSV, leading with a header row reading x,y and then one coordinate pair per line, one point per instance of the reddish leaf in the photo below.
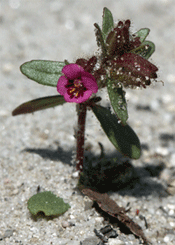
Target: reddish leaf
x,y
137,65
132,69
39,104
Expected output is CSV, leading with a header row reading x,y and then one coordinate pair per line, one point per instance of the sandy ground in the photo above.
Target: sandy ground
x,y
37,149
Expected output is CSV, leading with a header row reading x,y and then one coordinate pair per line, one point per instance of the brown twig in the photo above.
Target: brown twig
x,y
110,206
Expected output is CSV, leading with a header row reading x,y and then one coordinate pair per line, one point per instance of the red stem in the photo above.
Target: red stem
x,y
81,110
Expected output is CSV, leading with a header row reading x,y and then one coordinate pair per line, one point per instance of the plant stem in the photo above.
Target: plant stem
x,y
81,111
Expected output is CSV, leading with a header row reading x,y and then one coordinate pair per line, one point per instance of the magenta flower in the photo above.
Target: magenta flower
x,y
76,85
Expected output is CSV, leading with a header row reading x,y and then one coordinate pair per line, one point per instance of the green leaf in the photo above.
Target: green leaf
x,y
47,203
45,72
118,102
142,33
107,23
122,137
145,50
100,40
39,104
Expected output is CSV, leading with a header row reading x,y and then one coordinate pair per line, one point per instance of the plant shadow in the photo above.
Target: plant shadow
x,y
116,173
112,172
55,155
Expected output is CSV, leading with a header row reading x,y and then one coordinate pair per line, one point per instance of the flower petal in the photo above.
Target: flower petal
x,y
89,82
72,71
62,82
85,97
87,74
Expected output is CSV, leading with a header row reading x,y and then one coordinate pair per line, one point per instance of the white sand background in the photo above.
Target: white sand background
x,y
58,30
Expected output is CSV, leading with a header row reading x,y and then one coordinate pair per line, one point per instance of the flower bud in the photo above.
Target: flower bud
x,y
119,40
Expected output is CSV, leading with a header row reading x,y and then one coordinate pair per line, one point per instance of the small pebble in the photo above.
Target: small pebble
x,y
162,151
75,174
90,241
171,78
4,113
171,212
65,224
172,160
7,68
112,241
172,224
171,187
169,238
99,219
72,243
172,183
72,216
7,233
166,174
171,206
87,203
15,192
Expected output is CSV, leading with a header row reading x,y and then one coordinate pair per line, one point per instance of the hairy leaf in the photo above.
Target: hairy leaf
x,y
39,104
99,38
122,137
45,72
47,203
107,23
118,102
145,50
142,34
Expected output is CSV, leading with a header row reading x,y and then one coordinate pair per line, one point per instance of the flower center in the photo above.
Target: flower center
x,y
75,88
78,83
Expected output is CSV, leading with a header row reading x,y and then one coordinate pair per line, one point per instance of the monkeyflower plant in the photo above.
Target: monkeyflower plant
x,y
121,62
